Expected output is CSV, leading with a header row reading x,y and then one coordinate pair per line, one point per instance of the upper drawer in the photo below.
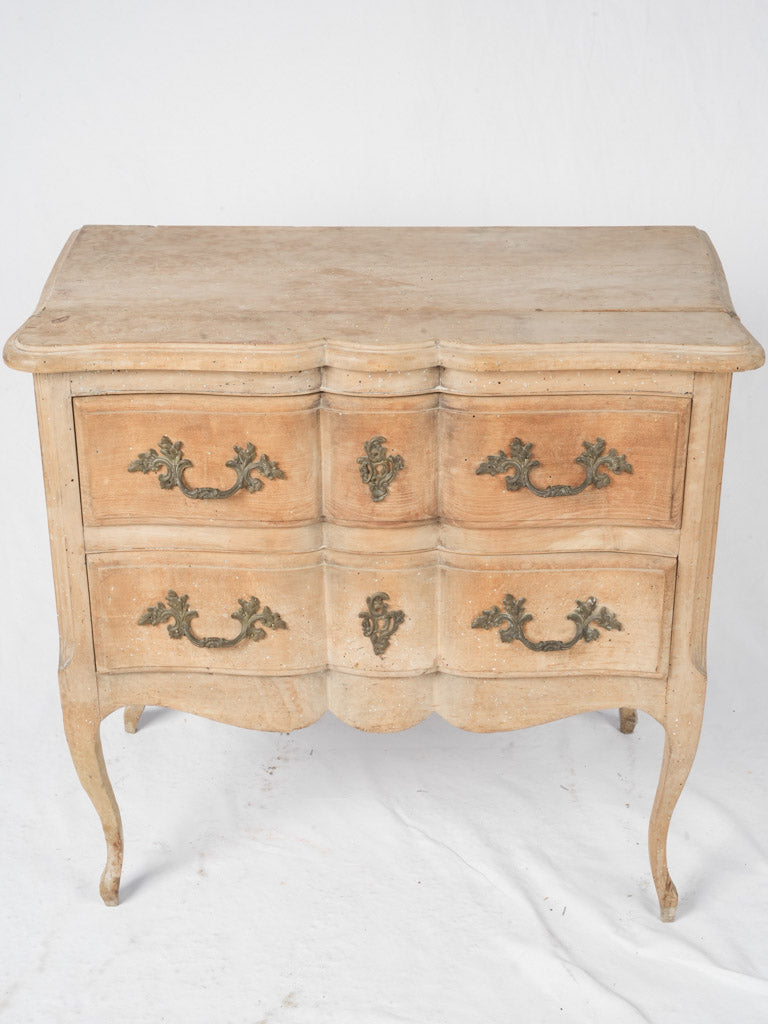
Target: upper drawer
x,y
198,459
380,464
563,459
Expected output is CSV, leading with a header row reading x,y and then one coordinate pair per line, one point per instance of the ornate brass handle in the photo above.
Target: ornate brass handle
x,y
377,468
171,459
178,609
594,459
380,621
586,618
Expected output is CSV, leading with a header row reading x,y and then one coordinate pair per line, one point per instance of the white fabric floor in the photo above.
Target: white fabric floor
x,y
427,876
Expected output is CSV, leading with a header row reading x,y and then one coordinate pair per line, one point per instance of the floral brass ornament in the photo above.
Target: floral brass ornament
x,y
377,468
170,459
586,618
594,459
380,621
249,615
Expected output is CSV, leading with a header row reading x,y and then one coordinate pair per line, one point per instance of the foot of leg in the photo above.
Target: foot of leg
x,y
627,719
109,884
131,717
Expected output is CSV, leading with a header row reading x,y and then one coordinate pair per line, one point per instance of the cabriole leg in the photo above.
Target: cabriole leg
x,y
84,737
680,744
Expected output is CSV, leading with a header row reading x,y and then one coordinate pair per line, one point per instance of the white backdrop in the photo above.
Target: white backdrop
x,y
430,876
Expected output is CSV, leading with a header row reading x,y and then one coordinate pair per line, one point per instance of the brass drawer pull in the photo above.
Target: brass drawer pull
x,y
586,618
380,621
178,609
171,459
377,468
594,459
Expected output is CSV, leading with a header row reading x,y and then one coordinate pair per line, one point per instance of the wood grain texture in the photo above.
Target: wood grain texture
x,y
686,686
290,585
409,427
639,590
374,539
272,704
77,676
651,432
382,704
113,431
323,595
333,381
564,382
384,299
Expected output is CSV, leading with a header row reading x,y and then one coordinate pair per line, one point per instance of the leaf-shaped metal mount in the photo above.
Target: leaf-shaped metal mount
x,y
586,617
249,615
594,459
170,463
380,622
377,468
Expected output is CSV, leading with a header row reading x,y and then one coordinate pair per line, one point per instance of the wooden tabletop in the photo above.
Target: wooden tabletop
x,y
274,298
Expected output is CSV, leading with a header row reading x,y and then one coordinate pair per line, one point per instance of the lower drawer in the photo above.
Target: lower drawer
x,y
181,611
557,615
382,615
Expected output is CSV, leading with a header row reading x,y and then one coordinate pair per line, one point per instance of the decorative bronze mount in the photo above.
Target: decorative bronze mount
x,y
380,622
170,458
178,609
593,459
377,468
585,618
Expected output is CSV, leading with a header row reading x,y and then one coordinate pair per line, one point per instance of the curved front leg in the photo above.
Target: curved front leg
x,y
681,740
84,737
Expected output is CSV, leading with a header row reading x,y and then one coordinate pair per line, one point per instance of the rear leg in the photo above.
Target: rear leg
x,y
627,719
131,717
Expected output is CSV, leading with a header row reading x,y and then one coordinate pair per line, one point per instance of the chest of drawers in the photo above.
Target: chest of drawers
x,y
386,473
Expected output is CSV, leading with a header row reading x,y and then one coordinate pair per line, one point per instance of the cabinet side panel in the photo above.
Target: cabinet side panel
x,y
62,489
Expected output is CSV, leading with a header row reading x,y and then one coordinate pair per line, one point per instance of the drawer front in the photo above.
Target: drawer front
x,y
558,615
380,459
168,611
564,459
164,459
382,614
397,615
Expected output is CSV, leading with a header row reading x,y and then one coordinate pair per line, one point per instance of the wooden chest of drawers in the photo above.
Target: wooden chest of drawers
x,y
385,472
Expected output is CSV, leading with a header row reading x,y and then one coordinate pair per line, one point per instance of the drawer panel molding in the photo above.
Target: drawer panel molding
x,y
382,615
193,443
362,467
263,615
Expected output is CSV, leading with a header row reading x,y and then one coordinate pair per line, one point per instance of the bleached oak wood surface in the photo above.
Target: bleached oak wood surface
x,y
405,601
385,299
